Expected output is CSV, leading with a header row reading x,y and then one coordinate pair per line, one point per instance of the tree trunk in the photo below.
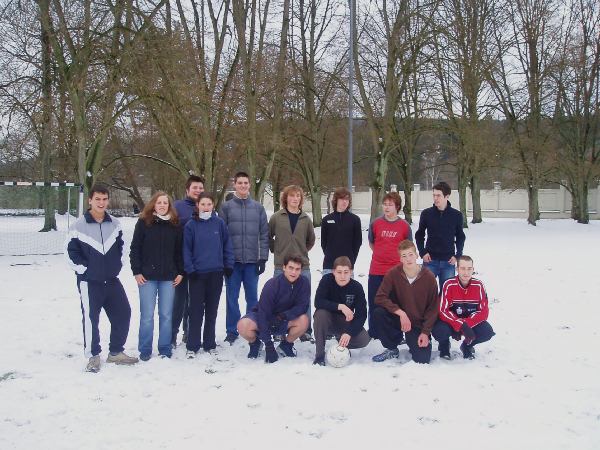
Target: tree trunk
x,y
407,208
378,186
476,199
580,201
315,199
45,134
462,195
533,209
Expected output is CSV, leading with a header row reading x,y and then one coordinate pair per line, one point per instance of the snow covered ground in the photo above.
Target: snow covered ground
x,y
535,385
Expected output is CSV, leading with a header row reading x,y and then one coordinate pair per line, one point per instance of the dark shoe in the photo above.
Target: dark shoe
x,y
467,351
444,349
386,354
145,356
270,353
231,338
286,348
278,337
254,349
307,337
319,361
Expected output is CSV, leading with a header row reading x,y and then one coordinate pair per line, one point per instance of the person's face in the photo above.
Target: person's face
x,y
465,271
292,271
408,257
98,203
293,200
342,275
242,187
439,200
342,204
161,206
389,208
195,189
205,205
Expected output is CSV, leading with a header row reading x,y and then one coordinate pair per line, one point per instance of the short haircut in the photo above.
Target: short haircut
x,y
393,197
341,193
465,258
293,258
193,179
287,191
342,261
206,195
406,245
444,187
98,188
240,175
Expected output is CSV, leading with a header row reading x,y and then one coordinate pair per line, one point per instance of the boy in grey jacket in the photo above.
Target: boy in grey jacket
x,y
246,221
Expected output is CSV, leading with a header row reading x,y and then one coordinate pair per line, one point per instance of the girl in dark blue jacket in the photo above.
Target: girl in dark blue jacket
x,y
207,255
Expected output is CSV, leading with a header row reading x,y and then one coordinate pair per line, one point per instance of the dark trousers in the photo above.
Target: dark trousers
x,y
442,332
373,286
391,335
111,296
327,322
180,308
205,292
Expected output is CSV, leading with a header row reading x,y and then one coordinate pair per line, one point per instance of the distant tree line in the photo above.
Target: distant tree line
x,y
142,93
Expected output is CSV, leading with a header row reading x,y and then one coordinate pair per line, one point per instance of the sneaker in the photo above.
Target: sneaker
x,y
145,356
163,356
278,337
231,338
93,364
286,348
212,351
319,361
307,337
386,354
190,354
444,349
467,351
255,349
121,359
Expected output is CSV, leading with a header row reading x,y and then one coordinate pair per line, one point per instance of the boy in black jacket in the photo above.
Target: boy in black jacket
x,y
341,310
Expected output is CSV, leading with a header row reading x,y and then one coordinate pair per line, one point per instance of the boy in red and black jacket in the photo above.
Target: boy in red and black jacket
x,y
463,312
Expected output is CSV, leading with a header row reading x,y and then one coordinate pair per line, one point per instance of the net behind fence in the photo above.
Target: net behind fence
x,y
22,216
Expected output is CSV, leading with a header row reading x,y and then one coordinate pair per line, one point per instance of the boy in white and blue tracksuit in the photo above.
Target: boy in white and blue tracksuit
x,y
94,252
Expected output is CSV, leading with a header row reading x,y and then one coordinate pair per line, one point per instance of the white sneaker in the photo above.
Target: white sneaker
x,y
190,354
93,364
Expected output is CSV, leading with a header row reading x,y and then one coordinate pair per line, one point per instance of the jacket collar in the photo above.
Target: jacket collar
x,y
90,219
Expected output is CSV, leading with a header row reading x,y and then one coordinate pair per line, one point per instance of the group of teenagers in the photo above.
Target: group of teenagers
x,y
182,252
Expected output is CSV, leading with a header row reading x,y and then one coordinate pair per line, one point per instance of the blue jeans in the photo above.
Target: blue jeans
x,y
242,273
148,293
305,273
443,270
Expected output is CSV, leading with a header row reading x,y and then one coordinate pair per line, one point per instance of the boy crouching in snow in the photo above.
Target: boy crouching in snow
x,y
281,309
463,312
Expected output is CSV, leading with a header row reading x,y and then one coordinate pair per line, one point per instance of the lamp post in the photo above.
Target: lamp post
x,y
350,92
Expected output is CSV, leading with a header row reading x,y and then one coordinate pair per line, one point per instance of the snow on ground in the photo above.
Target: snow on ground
x,y
535,385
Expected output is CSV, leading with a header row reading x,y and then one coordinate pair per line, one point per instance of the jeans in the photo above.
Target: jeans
x,y
242,273
443,270
372,287
305,273
148,293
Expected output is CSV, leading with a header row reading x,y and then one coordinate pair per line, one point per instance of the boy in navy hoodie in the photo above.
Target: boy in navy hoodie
x,y
281,309
94,249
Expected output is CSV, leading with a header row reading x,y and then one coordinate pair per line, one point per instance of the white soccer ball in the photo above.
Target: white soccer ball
x,y
337,356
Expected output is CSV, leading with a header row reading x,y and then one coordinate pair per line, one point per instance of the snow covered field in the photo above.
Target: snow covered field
x,y
535,385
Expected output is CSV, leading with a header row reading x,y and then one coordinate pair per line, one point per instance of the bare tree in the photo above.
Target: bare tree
x,y
577,114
